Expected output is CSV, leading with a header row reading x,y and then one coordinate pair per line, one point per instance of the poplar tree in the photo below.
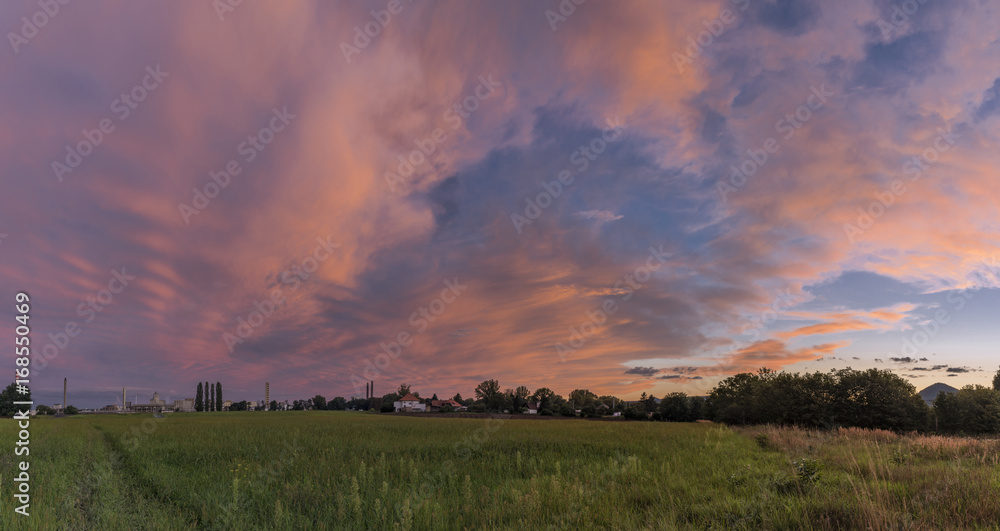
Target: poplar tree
x,y
218,396
199,400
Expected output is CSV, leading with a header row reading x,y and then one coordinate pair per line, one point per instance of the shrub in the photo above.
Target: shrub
x,y
71,410
546,412
634,413
807,470
447,409
387,408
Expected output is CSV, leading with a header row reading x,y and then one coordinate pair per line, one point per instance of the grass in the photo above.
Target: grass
x,y
336,470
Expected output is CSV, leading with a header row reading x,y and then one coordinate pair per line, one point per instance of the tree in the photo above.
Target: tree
x,y
996,381
435,397
45,410
337,404
273,406
545,398
582,397
697,407
878,399
208,399
199,400
675,408
319,402
971,410
458,398
218,396
647,402
489,393
71,410
522,393
8,397
404,389
865,399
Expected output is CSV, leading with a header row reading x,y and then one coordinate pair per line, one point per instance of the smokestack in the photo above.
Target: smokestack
x,y
373,388
64,394
123,399
267,395
368,390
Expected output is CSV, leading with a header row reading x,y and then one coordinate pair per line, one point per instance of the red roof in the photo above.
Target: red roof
x,y
409,398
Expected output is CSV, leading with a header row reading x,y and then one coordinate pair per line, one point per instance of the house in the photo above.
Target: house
x,y
155,405
532,408
436,405
409,403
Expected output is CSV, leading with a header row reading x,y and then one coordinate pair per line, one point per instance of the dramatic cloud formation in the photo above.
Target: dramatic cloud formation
x,y
447,199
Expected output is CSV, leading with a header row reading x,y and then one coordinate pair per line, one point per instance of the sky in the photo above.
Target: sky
x,y
626,197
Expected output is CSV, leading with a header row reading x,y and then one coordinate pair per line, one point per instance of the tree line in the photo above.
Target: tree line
x,y
209,397
872,398
849,398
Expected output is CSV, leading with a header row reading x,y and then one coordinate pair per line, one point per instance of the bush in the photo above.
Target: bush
x,y
807,470
387,408
634,413
546,412
477,408
567,411
71,410
447,408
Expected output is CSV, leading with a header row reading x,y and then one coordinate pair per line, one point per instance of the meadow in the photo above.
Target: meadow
x,y
342,470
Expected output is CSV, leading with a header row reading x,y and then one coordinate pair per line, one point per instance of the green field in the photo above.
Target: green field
x,y
334,470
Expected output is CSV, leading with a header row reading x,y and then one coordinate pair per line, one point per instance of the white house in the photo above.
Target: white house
x,y
532,408
409,403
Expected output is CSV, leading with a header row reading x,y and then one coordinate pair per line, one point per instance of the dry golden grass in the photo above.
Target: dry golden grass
x,y
898,481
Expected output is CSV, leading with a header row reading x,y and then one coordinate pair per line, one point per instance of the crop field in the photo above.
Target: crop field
x,y
339,470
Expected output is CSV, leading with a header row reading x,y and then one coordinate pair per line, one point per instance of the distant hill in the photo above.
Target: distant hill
x,y
931,392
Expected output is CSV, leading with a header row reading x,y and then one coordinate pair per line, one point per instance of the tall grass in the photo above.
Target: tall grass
x,y
337,470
